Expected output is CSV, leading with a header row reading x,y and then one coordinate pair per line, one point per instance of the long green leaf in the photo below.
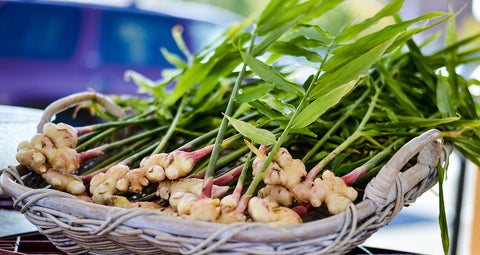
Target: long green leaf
x,y
290,49
324,7
145,84
190,78
349,71
444,98
173,59
279,105
293,11
318,107
247,95
389,10
258,135
269,74
442,217
348,52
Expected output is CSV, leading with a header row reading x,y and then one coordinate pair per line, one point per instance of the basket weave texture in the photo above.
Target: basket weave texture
x,y
79,227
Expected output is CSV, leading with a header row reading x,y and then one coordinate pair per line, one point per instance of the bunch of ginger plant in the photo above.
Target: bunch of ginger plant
x,y
242,102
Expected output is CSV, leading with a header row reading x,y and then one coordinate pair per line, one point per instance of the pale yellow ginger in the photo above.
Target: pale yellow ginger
x,y
337,203
104,185
62,135
316,192
175,165
134,180
277,193
52,156
262,210
181,164
148,172
154,173
191,185
31,158
123,202
228,212
154,166
57,147
192,206
64,182
283,170
205,209
231,216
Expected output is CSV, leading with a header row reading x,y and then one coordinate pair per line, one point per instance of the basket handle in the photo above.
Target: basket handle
x,y
428,144
75,99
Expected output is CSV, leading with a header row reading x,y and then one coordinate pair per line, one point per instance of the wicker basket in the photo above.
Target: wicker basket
x,y
79,227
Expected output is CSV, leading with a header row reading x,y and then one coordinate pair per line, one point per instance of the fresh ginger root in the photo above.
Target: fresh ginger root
x,y
53,156
192,185
283,170
285,176
277,193
228,209
123,202
330,188
192,206
64,182
104,185
62,135
134,180
270,212
148,172
31,158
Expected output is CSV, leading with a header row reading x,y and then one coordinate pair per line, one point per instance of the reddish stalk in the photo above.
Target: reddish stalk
x,y
228,177
303,209
87,155
354,175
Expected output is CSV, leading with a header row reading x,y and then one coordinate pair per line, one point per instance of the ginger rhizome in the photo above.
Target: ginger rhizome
x,y
52,155
286,183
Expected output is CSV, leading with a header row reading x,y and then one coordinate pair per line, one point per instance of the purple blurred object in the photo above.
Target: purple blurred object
x,y
52,49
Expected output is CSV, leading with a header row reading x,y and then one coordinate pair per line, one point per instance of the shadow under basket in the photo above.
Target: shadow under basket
x,y
78,227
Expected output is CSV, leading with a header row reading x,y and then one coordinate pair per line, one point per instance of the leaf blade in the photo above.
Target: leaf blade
x,y
258,135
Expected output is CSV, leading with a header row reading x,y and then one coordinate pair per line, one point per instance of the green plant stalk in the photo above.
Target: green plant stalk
x,y
353,137
303,102
335,127
204,137
225,160
117,157
223,125
121,123
86,138
98,137
118,144
373,163
258,177
171,129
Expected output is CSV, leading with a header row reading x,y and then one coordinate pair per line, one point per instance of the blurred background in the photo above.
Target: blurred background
x,y
50,49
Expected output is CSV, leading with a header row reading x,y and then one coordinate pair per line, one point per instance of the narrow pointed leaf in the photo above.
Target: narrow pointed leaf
x,y
444,98
269,74
173,59
348,72
258,135
289,48
389,10
247,95
318,107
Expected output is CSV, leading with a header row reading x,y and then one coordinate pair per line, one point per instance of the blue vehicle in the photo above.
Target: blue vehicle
x,y
52,49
